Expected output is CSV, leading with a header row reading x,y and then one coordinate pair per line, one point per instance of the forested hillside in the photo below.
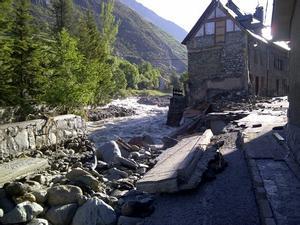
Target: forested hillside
x,y
57,55
139,40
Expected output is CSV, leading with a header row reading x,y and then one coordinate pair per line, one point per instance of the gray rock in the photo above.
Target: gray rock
x,y
137,208
37,221
84,177
116,174
23,212
109,152
61,215
95,212
63,195
15,189
1,213
40,196
124,220
217,126
6,204
131,164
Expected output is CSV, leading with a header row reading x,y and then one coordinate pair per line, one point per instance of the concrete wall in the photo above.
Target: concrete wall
x,y
36,134
214,68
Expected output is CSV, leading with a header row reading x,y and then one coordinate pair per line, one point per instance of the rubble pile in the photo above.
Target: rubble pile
x,y
233,101
163,101
111,111
83,185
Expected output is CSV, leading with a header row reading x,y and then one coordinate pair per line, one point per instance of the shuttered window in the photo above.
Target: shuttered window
x,y
220,31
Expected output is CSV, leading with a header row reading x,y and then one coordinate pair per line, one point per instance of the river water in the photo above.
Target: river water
x,y
149,119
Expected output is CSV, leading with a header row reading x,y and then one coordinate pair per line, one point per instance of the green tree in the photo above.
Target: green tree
x,y
109,26
70,82
25,55
131,73
90,41
6,88
62,13
149,76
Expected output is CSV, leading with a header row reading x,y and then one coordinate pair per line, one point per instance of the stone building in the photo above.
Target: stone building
x,y
226,51
286,26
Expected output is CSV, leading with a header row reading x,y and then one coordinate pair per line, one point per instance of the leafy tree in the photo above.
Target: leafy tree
x,y
62,13
71,82
176,81
149,76
109,26
131,73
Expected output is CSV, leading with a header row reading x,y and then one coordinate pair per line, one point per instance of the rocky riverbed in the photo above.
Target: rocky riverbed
x,y
91,180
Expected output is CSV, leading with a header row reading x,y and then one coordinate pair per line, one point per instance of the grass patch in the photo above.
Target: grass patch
x,y
155,93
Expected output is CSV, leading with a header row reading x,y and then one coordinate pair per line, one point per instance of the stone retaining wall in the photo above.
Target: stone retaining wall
x,y
36,134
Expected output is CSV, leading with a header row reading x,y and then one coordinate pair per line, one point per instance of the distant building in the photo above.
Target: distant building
x,y
226,51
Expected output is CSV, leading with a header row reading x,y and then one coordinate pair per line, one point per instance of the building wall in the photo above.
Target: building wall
x,y
268,65
215,68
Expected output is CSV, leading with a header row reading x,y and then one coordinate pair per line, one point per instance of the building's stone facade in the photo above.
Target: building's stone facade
x,y
227,53
268,68
16,138
214,68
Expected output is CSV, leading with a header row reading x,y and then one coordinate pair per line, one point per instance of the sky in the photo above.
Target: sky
x,y
185,13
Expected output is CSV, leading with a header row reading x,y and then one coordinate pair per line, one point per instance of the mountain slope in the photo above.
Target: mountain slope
x,y
139,40
171,28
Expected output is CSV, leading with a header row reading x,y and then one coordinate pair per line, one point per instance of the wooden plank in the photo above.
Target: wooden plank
x,y
20,168
175,166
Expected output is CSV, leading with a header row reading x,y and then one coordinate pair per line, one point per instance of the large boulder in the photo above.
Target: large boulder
x,y
23,212
95,212
84,177
61,215
63,195
109,152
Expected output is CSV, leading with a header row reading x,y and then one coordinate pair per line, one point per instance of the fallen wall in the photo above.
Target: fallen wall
x,y
16,138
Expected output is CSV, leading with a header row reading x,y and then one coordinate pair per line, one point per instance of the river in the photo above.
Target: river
x,y
149,119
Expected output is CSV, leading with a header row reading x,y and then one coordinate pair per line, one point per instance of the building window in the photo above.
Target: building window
x,y
200,32
236,28
278,63
220,31
210,28
229,26
219,13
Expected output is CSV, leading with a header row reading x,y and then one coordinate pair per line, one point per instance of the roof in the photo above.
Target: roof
x,y
236,14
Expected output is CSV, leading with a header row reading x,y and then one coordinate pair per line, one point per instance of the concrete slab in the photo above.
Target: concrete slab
x,y
20,168
175,165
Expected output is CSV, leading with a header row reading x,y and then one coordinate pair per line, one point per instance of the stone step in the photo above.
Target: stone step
x,y
175,165
21,167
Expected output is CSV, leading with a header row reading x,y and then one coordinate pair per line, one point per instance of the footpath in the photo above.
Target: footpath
x,y
274,171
